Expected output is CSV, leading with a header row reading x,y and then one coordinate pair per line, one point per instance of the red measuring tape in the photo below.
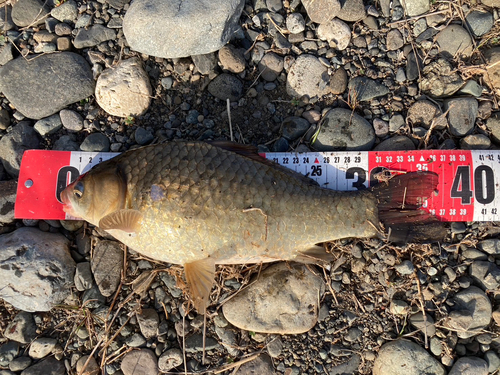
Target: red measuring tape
x,y
468,187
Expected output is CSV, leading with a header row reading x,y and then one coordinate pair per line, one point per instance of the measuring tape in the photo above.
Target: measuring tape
x,y
468,188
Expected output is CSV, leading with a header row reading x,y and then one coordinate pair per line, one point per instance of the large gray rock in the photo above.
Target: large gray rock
x,y
36,269
283,300
29,12
341,129
12,146
471,313
405,357
181,28
43,86
124,90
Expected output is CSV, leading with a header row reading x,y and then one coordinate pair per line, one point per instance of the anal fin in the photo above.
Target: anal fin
x,y
314,255
126,220
200,277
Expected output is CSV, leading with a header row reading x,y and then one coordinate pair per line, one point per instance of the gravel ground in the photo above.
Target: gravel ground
x,y
109,76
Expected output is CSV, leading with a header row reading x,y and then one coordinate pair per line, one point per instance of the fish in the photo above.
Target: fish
x,y
200,204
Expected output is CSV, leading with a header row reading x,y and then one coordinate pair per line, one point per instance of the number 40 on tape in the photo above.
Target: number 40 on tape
x,y
468,189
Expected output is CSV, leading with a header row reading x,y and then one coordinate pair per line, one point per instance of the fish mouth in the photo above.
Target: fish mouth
x,y
67,206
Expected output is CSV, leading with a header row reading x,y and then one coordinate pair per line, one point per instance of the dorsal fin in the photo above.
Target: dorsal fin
x,y
250,152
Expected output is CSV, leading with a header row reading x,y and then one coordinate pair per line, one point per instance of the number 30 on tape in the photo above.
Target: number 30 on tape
x,y
468,189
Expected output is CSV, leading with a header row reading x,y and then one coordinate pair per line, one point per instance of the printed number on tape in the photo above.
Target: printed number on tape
x,y
468,187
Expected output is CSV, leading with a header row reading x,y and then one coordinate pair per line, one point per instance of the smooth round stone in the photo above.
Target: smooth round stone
x,y
278,310
71,120
341,129
352,11
321,11
336,32
415,7
95,142
462,115
170,359
295,23
404,356
454,40
139,362
29,12
124,90
231,59
65,12
271,66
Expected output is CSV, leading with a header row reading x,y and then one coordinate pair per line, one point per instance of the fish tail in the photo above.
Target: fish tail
x,y
399,201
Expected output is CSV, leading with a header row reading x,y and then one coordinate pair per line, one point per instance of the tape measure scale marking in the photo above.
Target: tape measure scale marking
x,y
468,189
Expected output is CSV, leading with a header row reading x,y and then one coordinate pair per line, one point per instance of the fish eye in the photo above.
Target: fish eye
x,y
78,189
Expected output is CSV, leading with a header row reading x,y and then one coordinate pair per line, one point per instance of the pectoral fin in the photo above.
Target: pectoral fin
x,y
200,277
314,254
126,220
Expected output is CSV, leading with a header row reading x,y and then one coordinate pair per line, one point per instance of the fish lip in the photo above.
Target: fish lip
x,y
67,206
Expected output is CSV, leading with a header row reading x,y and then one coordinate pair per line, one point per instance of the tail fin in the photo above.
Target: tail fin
x,y
399,200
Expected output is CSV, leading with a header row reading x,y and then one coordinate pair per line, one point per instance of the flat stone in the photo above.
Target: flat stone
x,y
471,87
440,79
48,125
106,265
22,328
462,115
49,366
485,274
173,29
23,80
36,269
232,59
194,343
395,143
341,129
8,190
93,36
226,86
270,66
363,89
492,57
480,22
284,300
65,12
139,362
321,11
83,276
307,76
206,63
294,127
469,366
95,142
71,120
261,365
423,324
20,363
394,40
336,32
170,359
475,142
352,10
415,7
148,321
490,246
124,90
453,41
471,312
404,356
422,113
29,12
42,347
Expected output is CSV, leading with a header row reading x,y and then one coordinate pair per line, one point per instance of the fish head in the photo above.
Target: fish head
x,y
95,195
